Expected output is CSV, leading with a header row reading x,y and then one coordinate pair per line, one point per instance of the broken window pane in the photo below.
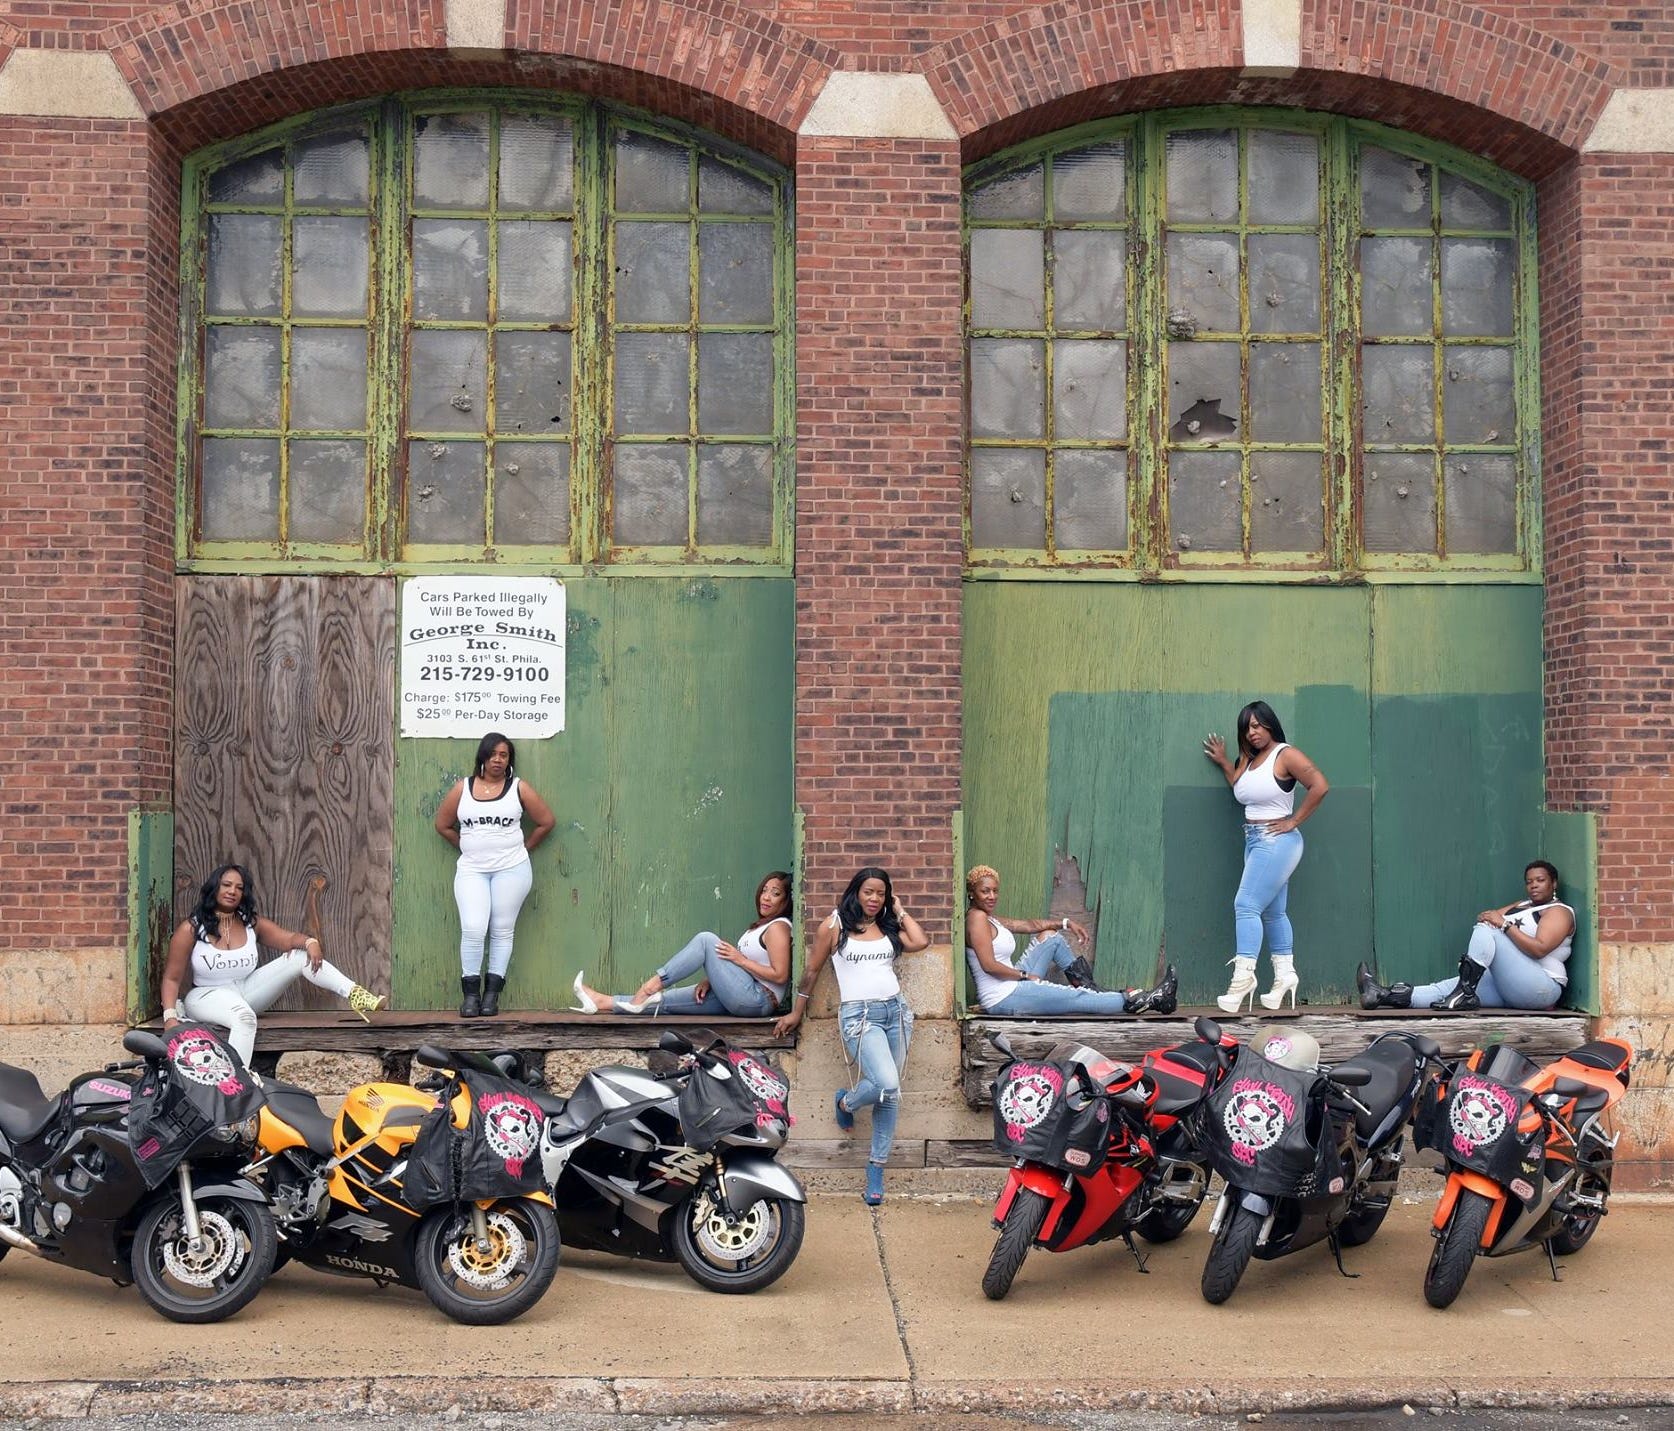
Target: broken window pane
x,y
1089,280
1285,390
1465,205
1287,502
1008,498
653,273
1477,286
535,271
446,485
735,273
1018,195
1480,490
1008,387
723,189
1090,390
327,497
450,269
1205,508
1283,180
735,383
1090,500
537,163
1203,282
1008,278
1396,295
1284,283
240,479
532,494
450,161
448,384
1204,392
1394,191
652,176
329,264
532,383
648,502
331,170
735,496
241,377
260,179
1398,393
328,379
1479,402
1399,499
1203,176
1090,183
243,276
653,383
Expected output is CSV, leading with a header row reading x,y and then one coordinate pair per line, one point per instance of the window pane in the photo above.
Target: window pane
x,y
329,257
1204,392
735,383
1283,178
1398,394
537,163
1089,281
1481,497
450,269
1203,176
532,383
1287,502
243,275
1018,195
328,379
723,189
450,161
1396,294
652,384
1477,286
1090,183
653,273
1284,283
535,272
1008,387
327,501
260,179
1090,390
735,496
1465,205
735,273
448,387
648,506
1478,399
651,176
1394,191
1008,498
1205,501
1400,502
241,377
1090,500
331,170
532,494
1008,278
445,488
240,478
1203,282
1285,393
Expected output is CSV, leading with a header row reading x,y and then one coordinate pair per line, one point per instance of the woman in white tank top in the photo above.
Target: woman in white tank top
x,y
1264,782
746,980
861,940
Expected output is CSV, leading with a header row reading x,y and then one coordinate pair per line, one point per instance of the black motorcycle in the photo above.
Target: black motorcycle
x,y
675,1162
1309,1153
133,1173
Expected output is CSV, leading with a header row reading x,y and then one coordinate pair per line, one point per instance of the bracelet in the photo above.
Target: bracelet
x,y
1065,925
801,994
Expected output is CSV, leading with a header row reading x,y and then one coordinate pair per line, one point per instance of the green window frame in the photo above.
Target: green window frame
x,y
1239,343
410,324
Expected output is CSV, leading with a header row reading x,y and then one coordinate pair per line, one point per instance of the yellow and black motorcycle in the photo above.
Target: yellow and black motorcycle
x,y
417,1187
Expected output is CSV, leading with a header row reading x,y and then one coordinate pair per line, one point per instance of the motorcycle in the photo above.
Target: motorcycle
x,y
1309,1153
1527,1158
675,1162
431,1186
1103,1149
133,1173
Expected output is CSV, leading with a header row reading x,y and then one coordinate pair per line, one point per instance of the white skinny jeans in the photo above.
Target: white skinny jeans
x,y
234,1006
488,905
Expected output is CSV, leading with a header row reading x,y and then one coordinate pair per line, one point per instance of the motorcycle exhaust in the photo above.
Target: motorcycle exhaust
x,y
12,1236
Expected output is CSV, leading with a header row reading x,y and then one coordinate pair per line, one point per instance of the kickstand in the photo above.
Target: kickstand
x,y
1337,1252
1127,1237
1552,1257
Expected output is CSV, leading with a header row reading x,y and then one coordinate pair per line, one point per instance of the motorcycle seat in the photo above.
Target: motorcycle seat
x,y
551,1104
298,1108
1204,1057
1392,1065
1603,1054
24,1109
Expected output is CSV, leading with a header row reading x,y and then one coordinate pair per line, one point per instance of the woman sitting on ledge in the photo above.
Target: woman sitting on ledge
x,y
1004,987
1515,960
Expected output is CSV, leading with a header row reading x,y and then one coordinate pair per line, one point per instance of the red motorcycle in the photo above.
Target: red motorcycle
x,y
1103,1149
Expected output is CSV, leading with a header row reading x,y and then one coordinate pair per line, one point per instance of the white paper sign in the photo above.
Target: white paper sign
x,y
482,653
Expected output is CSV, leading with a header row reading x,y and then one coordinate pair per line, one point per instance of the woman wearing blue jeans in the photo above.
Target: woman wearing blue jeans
x,y
1264,782
862,939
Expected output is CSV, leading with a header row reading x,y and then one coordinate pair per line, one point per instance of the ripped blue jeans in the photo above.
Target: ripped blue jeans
x,y
875,1034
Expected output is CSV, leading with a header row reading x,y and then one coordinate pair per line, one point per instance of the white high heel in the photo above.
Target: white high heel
x,y
1241,992
1284,982
585,1003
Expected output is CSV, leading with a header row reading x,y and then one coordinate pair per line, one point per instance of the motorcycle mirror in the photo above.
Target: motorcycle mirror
x,y
146,1045
1571,1087
671,1042
1351,1075
509,1064
432,1057
1427,1047
1207,1030
1001,1042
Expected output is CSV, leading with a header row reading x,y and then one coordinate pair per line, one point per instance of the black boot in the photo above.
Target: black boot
x,y
1463,999
1160,1000
491,987
1374,995
471,1005
1078,974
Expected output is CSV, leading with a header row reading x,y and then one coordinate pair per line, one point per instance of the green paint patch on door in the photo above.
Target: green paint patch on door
x,y
671,784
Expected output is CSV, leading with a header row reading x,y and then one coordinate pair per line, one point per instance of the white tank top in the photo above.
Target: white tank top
x,y
212,967
1525,921
491,831
865,967
1259,792
992,991
751,946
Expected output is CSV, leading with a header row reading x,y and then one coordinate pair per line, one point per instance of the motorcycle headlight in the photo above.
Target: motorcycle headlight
x,y
243,1132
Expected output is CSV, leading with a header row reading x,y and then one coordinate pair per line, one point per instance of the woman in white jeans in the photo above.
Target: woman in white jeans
x,y
230,984
482,817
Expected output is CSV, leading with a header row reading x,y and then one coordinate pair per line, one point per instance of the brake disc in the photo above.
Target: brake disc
x,y
492,1269
201,1268
724,1239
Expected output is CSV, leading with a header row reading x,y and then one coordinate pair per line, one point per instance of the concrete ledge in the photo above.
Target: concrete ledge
x,y
66,84
1635,121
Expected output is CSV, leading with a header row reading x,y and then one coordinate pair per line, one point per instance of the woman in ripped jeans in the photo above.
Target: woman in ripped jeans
x,y
862,939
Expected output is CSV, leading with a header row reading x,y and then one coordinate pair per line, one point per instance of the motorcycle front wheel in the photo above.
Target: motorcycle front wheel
x,y
211,1281
1017,1235
1230,1254
484,1286
1456,1249
741,1253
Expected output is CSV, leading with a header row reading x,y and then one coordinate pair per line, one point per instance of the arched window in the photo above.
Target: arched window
x,y
1242,340
485,328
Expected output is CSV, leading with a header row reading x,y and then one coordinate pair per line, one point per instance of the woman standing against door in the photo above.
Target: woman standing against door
x,y
482,817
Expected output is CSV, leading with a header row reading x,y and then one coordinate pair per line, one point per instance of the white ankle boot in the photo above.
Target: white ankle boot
x,y
1284,982
1241,990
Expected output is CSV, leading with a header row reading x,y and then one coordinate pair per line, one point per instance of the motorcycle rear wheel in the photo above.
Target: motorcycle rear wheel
x,y
1230,1254
485,1289
1456,1249
1168,1222
751,1252
1017,1235
1578,1227
210,1284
